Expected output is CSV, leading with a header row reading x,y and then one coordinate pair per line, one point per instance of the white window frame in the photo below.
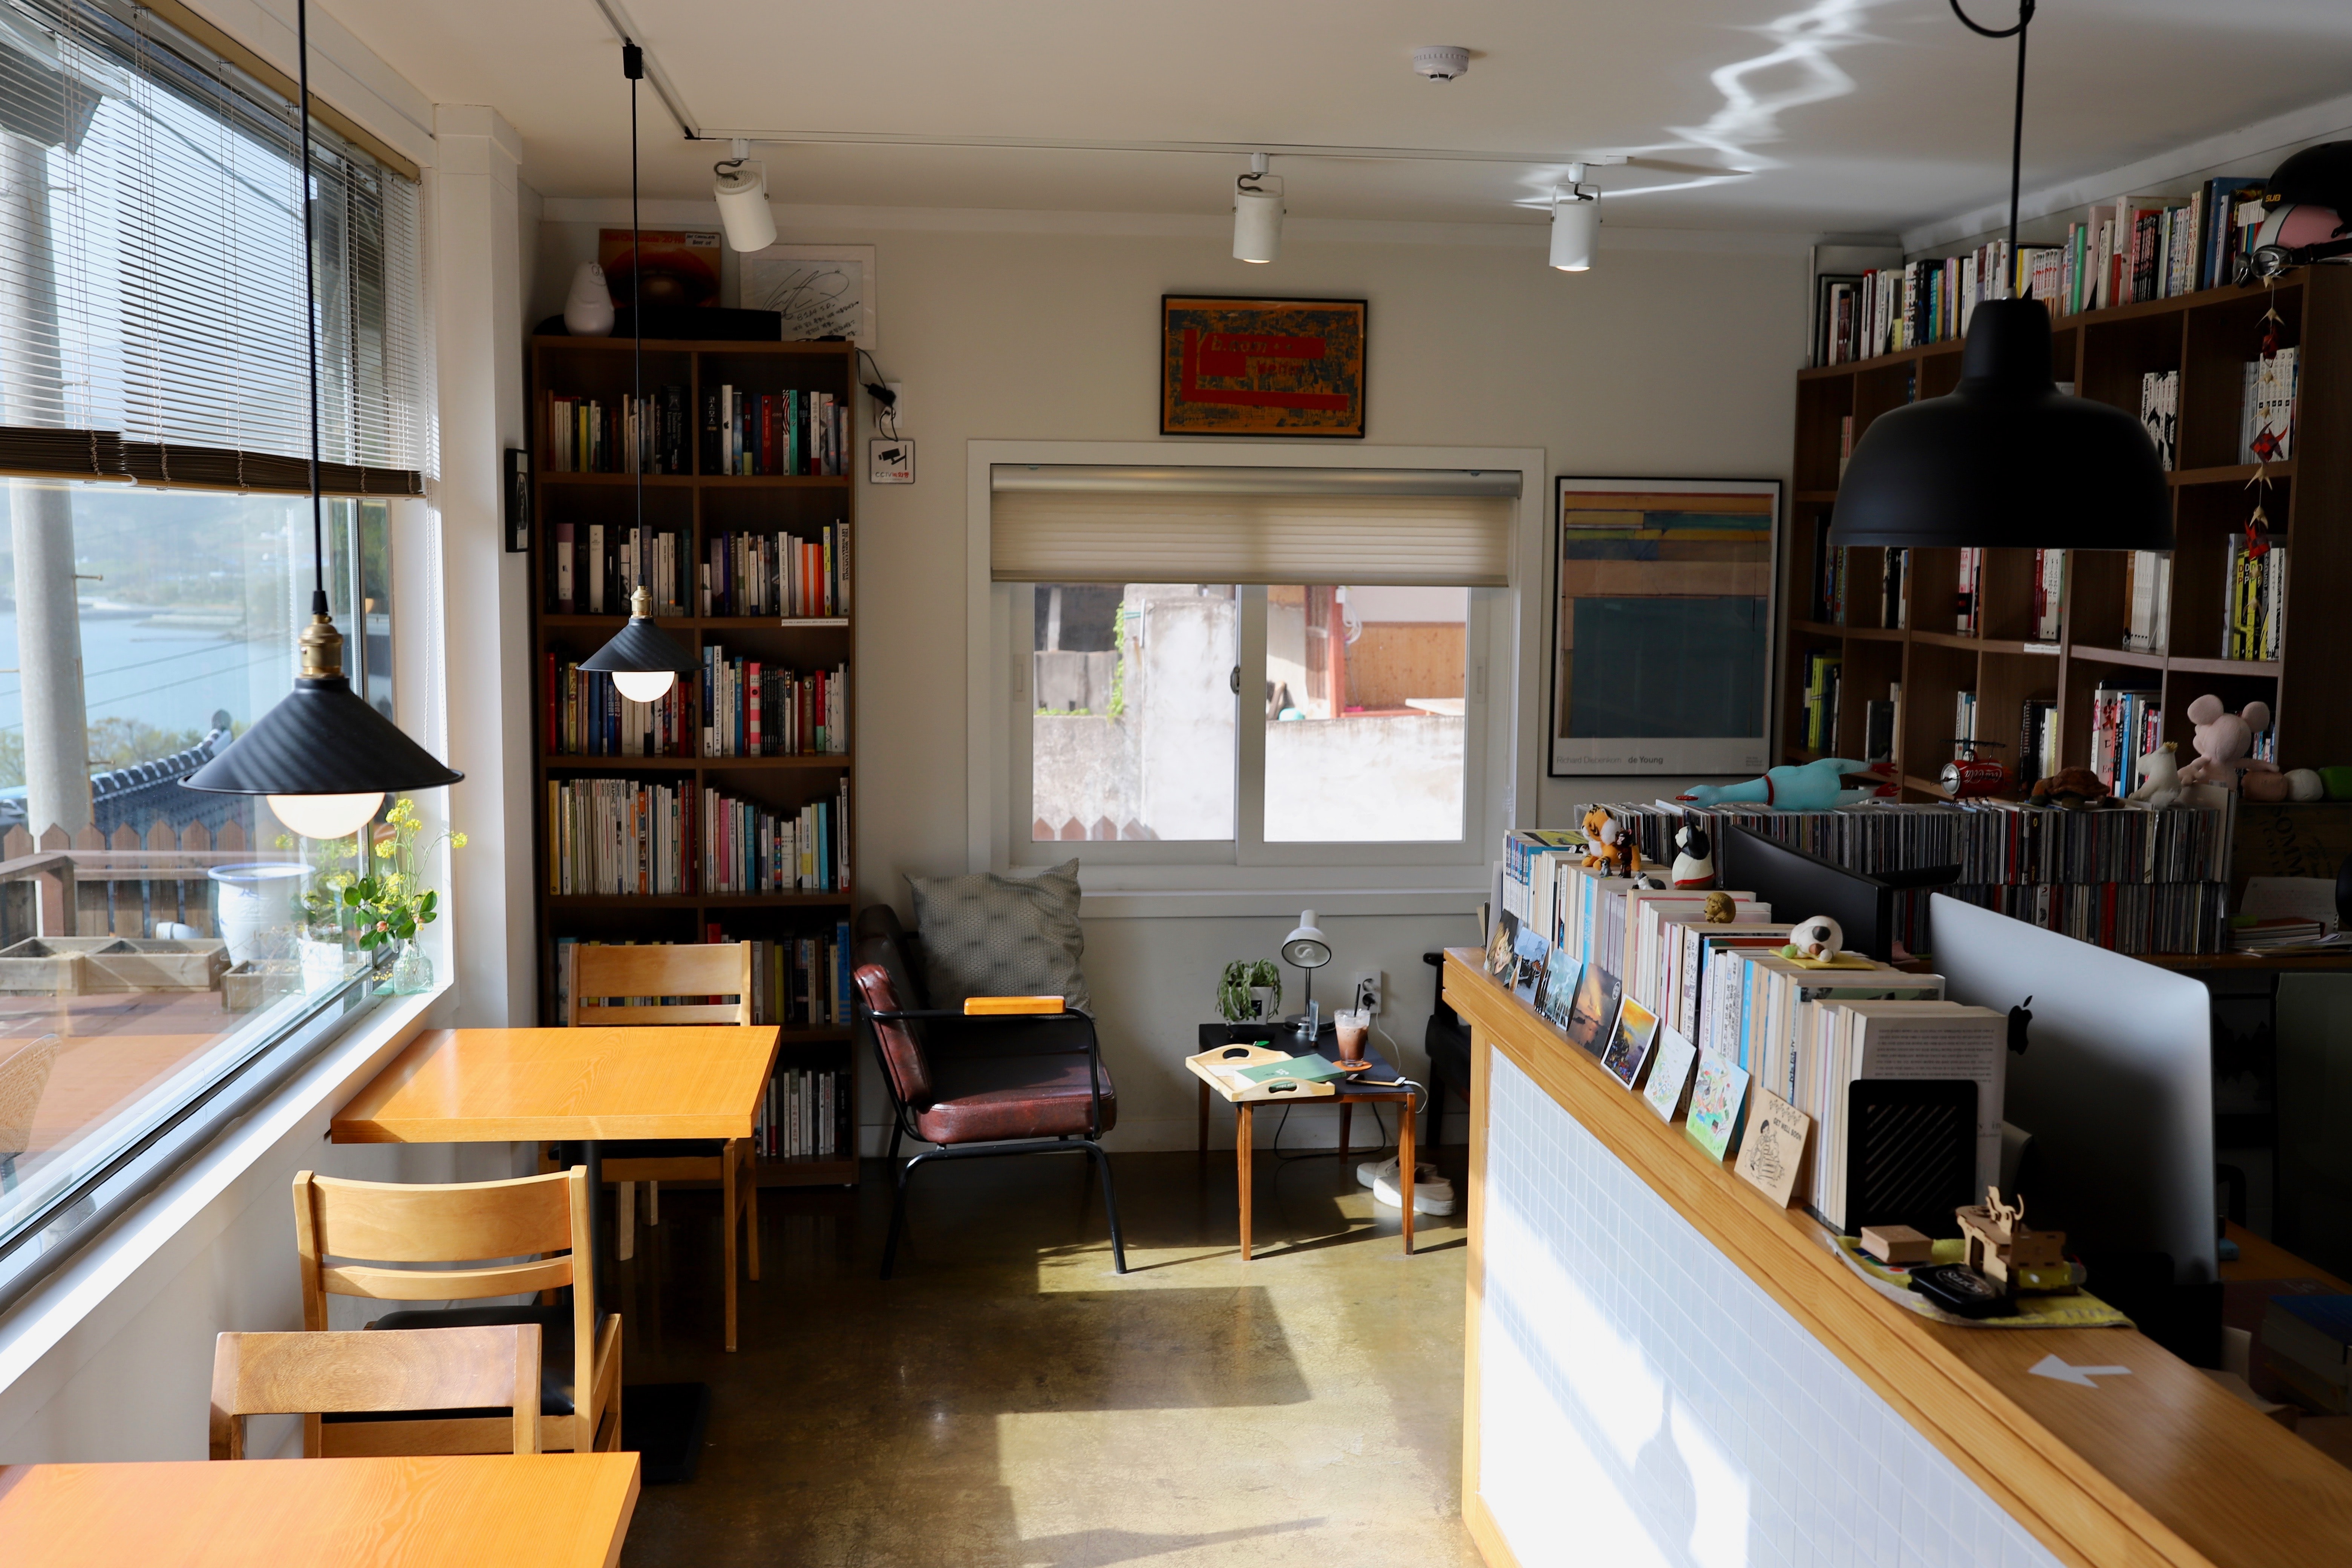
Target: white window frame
x,y
1246,874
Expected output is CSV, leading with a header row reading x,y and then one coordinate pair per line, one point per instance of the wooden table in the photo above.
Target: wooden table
x,y
1386,1087
584,1086
514,1510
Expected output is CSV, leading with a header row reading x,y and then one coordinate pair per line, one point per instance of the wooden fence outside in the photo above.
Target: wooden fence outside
x,y
119,885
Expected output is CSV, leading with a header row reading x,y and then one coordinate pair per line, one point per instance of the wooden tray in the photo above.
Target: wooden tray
x,y
1205,1065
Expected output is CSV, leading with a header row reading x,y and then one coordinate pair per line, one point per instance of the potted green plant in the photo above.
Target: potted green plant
x,y
391,902
1249,991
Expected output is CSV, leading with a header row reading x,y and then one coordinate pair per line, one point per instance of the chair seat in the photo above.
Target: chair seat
x,y
981,1099
555,1358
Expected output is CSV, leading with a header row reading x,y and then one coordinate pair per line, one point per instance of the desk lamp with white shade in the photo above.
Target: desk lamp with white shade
x,y
1307,949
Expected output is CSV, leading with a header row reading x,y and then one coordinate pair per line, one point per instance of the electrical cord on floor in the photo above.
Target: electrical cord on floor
x,y
1414,1104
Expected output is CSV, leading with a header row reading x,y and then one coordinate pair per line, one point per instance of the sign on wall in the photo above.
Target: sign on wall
x,y
1261,367
1662,625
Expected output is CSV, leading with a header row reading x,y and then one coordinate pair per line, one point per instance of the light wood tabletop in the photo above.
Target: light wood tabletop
x,y
494,1086
515,1511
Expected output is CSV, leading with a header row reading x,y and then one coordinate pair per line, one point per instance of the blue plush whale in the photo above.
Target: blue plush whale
x,y
1814,787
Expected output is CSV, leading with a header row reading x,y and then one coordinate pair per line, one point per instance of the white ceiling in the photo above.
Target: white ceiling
x,y
1829,116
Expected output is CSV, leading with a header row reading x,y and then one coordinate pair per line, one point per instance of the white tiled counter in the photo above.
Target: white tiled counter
x,y
1665,1370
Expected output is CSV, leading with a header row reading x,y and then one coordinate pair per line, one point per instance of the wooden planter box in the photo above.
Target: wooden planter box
x,y
100,965
36,968
259,981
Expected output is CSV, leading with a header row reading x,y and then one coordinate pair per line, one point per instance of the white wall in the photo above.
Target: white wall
x,y
1673,362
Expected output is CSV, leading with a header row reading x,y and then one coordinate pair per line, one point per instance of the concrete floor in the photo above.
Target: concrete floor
x,y
1008,1402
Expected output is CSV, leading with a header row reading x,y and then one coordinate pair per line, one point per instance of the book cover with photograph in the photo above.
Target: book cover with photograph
x,y
1594,1009
1500,944
1630,1042
1561,975
1529,950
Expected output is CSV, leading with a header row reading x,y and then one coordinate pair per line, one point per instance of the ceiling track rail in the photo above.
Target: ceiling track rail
x,y
624,29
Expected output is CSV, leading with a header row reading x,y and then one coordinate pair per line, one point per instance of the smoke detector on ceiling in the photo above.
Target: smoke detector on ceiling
x,y
1441,62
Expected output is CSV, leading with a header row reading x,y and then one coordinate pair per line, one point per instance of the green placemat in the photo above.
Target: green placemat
x,y
2080,1310
1306,1070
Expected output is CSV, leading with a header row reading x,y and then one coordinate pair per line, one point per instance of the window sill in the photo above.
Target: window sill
x,y
59,1306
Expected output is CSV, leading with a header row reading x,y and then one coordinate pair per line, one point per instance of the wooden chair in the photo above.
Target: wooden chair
x,y
542,1220
415,1369
654,979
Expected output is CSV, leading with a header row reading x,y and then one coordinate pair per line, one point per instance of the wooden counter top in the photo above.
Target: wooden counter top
x,y
2161,1467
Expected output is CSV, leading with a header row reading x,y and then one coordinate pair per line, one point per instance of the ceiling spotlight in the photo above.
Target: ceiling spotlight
x,y
742,193
1257,214
1575,223
1441,62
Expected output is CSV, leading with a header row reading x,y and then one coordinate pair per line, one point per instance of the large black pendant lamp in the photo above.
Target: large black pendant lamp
x,y
2006,459
323,756
642,659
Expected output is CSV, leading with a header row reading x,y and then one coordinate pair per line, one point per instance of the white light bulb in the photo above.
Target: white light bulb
x,y
326,815
1575,224
1257,225
645,684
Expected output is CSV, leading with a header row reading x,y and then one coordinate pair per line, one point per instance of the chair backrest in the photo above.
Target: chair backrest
x,y
654,971
392,1368
903,1060
23,1076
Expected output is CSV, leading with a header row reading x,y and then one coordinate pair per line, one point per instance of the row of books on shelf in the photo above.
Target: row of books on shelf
x,y
787,432
759,709
2135,248
797,983
1991,841
2266,408
778,573
627,837
1698,1017
2253,591
587,716
591,436
595,568
750,709
804,1115
2126,724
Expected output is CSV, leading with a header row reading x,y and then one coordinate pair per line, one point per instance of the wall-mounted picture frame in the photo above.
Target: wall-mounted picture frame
x,y
1233,366
1662,625
821,290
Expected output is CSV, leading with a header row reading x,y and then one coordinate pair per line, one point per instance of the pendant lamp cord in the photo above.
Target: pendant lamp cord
x,y
310,309
2017,122
633,66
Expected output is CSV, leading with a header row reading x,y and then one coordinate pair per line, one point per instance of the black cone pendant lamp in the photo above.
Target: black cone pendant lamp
x,y
642,659
323,756
2006,459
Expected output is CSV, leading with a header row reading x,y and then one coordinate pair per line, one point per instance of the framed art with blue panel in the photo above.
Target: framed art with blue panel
x,y
1661,625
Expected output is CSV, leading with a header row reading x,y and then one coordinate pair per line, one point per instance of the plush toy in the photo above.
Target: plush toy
x,y
1720,908
1608,848
2223,741
1815,786
2304,784
2160,777
2264,787
1819,938
2076,789
1694,863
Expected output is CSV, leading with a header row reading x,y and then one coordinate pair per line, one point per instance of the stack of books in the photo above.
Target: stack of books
x,y
787,432
595,568
778,573
757,709
2159,412
2253,602
588,717
2126,724
2048,593
746,848
804,1115
588,436
2266,413
800,983
2147,593
1822,672
619,837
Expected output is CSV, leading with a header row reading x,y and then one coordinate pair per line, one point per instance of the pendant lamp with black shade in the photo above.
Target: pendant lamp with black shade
x,y
323,756
642,659
2005,460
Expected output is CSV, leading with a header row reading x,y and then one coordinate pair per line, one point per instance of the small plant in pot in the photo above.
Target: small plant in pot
x,y
1249,993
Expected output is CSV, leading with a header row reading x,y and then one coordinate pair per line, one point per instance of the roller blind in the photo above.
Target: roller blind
x,y
151,270
1076,524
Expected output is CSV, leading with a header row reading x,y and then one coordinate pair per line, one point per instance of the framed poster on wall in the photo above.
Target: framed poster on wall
x,y
1661,625
1261,367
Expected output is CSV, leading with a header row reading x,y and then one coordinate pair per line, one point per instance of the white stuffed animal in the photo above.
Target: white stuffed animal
x,y
2160,777
1816,938
2304,784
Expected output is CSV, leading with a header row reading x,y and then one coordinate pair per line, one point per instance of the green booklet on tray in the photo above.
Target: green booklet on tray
x,y
1306,1070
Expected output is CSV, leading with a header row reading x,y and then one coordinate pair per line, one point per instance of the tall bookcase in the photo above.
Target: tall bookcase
x,y
2207,337
695,506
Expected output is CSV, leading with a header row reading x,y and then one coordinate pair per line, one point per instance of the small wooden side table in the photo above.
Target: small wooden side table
x,y
1378,1084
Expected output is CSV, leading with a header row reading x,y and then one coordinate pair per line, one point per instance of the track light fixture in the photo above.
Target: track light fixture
x,y
1257,214
743,193
1575,223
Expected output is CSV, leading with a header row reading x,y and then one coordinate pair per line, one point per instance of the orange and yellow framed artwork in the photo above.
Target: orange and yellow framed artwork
x,y
1261,367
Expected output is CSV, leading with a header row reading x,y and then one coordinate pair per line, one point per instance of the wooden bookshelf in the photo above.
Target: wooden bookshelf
x,y
695,506
2207,337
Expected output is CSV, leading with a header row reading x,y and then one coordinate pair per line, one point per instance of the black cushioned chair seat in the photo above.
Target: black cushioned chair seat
x,y
554,1356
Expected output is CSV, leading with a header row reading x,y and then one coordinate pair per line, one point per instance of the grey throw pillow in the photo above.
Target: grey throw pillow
x,y
986,935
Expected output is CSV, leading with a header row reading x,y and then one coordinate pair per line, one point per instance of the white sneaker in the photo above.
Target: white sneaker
x,y
1369,1172
1431,1193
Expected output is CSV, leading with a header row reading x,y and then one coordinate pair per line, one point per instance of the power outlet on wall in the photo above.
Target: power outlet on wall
x,y
1369,987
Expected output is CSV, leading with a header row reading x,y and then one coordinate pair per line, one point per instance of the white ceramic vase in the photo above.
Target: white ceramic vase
x,y
588,308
